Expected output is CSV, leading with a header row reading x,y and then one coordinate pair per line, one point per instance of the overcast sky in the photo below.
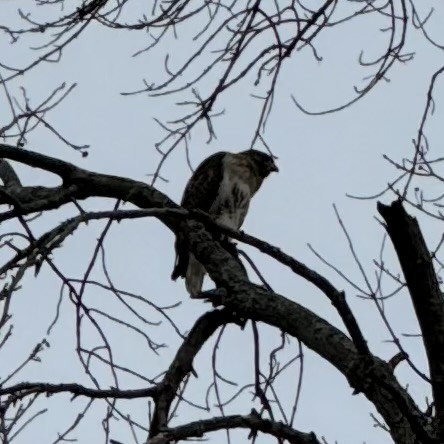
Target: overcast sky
x,y
321,158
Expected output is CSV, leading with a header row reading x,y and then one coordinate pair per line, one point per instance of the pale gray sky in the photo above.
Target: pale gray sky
x,y
320,159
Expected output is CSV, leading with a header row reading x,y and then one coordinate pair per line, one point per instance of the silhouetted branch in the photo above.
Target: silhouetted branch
x,y
365,373
417,266
253,422
336,297
23,389
182,364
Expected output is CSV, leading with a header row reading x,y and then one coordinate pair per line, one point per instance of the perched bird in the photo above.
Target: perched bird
x,y
222,186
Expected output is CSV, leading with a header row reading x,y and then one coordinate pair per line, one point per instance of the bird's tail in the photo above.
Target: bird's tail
x,y
194,277
181,264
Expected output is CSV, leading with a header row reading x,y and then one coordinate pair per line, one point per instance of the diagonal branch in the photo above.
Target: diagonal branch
x,y
417,266
36,160
336,297
365,373
182,364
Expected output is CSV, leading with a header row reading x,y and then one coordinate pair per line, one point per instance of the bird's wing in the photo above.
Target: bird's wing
x,y
202,188
200,193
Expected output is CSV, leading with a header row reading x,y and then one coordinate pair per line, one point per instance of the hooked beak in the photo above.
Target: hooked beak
x,y
274,168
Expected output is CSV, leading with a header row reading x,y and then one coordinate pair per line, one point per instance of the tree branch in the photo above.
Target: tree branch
x,y
336,297
182,364
417,266
36,160
366,374
29,388
253,422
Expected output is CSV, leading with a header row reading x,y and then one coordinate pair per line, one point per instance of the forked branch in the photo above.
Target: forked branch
x,y
253,422
422,282
366,373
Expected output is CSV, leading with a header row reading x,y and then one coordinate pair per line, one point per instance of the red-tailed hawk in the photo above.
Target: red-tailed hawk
x,y
222,186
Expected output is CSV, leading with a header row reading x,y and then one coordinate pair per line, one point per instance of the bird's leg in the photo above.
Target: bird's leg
x,y
214,296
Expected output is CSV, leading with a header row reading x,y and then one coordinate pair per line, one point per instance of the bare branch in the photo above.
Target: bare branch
x,y
420,276
253,422
182,364
366,374
23,389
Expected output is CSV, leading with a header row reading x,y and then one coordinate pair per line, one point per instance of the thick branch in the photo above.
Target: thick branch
x,y
366,374
55,166
417,266
336,297
253,422
77,184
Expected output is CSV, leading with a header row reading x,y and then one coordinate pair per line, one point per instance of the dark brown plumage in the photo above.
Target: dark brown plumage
x,y
222,186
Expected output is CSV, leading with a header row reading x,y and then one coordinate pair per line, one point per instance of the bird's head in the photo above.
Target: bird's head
x,y
263,162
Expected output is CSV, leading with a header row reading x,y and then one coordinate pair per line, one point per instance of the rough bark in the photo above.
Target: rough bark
x,y
417,267
253,422
365,373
